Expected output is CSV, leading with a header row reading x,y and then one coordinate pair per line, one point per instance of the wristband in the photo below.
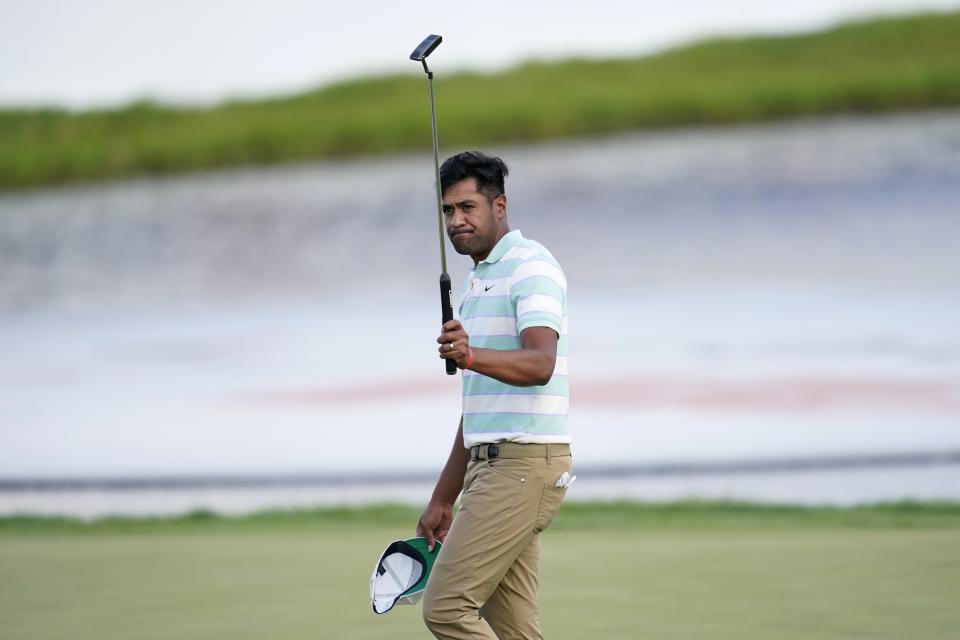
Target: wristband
x,y
469,361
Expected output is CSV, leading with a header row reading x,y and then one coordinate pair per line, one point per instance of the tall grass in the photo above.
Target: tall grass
x,y
872,66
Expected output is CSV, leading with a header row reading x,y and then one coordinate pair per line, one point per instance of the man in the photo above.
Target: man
x,y
511,456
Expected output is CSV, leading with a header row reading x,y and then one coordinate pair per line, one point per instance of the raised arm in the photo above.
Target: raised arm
x,y
531,365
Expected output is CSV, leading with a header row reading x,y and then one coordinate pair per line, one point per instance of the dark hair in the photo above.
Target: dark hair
x,y
488,171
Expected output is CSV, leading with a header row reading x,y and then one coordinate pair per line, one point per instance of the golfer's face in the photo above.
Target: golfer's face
x,y
472,221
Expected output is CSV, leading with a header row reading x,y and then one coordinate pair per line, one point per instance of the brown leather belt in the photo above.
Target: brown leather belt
x,y
518,450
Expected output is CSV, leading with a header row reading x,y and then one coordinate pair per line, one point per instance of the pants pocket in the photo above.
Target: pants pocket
x,y
550,500
513,468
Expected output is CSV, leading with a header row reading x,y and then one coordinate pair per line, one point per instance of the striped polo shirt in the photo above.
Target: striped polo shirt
x,y
519,285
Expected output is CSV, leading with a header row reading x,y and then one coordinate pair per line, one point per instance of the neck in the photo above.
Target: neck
x,y
483,256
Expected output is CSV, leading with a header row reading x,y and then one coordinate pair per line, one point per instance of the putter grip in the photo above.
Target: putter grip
x,y
446,310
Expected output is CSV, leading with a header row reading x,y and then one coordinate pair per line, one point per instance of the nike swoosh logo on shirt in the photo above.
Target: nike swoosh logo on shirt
x,y
489,287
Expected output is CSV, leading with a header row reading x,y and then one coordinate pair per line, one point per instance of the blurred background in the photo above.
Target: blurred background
x,y
218,251
219,391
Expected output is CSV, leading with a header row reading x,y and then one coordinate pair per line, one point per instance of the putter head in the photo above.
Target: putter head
x,y
426,47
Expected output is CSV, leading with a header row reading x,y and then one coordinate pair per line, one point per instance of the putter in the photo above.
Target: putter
x,y
420,54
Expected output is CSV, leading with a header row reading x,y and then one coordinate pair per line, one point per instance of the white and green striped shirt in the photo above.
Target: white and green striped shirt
x,y
519,285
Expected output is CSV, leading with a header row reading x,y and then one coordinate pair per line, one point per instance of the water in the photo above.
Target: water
x,y
751,293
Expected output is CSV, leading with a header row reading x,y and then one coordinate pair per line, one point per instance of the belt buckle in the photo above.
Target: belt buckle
x,y
489,450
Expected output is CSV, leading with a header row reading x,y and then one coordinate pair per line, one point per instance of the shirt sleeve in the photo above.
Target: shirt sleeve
x,y
538,290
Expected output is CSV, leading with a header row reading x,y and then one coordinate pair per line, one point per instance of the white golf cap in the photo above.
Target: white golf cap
x,y
401,573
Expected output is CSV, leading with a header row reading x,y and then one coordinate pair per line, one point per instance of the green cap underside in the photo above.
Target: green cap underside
x,y
420,546
415,548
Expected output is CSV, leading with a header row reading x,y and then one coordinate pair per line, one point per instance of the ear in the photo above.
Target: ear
x,y
500,205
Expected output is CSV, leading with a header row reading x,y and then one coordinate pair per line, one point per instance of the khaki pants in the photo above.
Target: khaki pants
x,y
484,582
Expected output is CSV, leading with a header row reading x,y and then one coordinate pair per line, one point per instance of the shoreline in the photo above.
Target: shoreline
x,y
597,514
835,483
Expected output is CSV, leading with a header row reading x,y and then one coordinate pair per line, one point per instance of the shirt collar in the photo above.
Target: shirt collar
x,y
503,245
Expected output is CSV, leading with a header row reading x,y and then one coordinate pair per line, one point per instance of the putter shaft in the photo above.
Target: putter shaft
x,y
420,54
436,171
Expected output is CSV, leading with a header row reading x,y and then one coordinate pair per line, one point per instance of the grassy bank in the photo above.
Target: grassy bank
x,y
873,66
578,516
685,570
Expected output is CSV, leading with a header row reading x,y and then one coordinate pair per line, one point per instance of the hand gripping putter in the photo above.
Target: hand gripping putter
x,y
420,54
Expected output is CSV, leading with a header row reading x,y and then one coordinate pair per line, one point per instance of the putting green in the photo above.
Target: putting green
x,y
781,582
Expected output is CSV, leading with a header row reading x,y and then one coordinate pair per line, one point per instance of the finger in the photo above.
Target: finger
x,y
452,325
452,336
428,534
453,354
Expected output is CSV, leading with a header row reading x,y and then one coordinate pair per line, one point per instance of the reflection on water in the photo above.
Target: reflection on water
x,y
786,289
861,201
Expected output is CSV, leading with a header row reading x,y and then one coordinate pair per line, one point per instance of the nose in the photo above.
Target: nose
x,y
455,219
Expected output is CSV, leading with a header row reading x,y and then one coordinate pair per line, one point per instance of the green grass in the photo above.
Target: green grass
x,y
620,515
871,66
685,570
